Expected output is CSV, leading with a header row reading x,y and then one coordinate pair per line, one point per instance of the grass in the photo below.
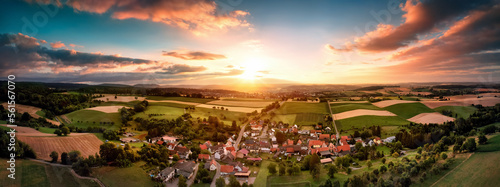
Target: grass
x,y
285,118
33,174
40,113
170,112
61,176
408,110
47,130
176,105
309,118
495,124
87,117
261,178
5,128
184,99
481,169
117,103
343,107
461,111
366,121
3,122
229,115
300,107
131,176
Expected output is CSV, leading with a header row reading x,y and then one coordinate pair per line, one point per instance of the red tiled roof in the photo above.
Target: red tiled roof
x,y
203,147
230,148
159,142
289,150
315,142
244,151
203,156
324,136
289,142
255,159
226,168
344,147
274,149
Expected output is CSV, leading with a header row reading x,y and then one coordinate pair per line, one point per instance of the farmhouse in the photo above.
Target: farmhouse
x,y
226,169
212,165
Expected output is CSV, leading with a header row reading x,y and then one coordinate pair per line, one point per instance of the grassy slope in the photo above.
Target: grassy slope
x,y
408,110
482,168
40,113
92,115
185,99
131,176
170,112
336,108
47,130
461,111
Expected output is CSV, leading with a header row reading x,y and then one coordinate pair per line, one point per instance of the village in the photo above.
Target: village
x,y
256,142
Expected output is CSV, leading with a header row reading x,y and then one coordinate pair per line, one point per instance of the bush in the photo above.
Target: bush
x,y
444,156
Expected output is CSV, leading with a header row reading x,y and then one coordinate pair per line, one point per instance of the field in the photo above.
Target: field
x,y
230,108
386,103
170,112
119,98
367,121
87,144
183,99
308,118
481,169
362,112
301,107
251,103
344,107
465,100
33,111
31,173
461,111
131,176
408,110
426,118
106,109
86,118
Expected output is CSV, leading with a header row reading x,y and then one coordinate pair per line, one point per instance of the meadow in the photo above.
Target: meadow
x,y
302,107
118,177
461,111
183,99
408,110
86,118
367,121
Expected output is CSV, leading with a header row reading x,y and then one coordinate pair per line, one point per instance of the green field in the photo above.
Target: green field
x,y
408,110
31,173
300,107
343,107
116,103
40,113
225,116
481,169
248,99
366,121
285,118
47,130
170,112
184,99
461,111
176,105
309,118
131,176
90,116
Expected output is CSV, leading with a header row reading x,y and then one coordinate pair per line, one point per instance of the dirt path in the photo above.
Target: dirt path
x,y
452,170
333,119
216,176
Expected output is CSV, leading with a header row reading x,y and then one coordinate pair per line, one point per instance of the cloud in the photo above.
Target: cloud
x,y
198,16
264,72
193,55
182,68
421,17
74,45
229,66
57,45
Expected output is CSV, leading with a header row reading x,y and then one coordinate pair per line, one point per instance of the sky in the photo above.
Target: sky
x,y
204,42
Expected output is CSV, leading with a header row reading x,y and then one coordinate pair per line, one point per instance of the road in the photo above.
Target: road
x,y
216,176
333,119
191,180
240,136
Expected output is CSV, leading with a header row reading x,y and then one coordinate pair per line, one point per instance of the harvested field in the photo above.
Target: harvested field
x,y
173,101
87,144
27,131
31,110
111,97
465,100
427,118
336,102
344,107
251,104
106,109
231,108
413,93
362,112
387,103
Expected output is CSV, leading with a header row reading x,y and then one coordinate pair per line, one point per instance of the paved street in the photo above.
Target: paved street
x,y
217,175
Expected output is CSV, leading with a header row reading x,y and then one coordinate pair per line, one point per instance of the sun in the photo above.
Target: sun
x,y
253,68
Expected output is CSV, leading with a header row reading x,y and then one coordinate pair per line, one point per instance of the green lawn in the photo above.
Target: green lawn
x,y
184,99
300,107
481,169
343,107
461,111
366,121
408,110
87,117
131,176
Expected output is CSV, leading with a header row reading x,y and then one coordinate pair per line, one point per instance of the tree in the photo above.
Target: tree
x,y
220,182
348,171
383,169
282,169
444,156
482,139
58,132
272,168
25,117
384,160
332,169
469,145
369,163
74,155
64,158
233,182
395,155
54,155
328,183
280,137
182,181
315,171
336,183
65,130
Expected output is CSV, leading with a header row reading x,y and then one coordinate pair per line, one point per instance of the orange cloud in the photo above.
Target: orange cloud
x,y
193,55
57,45
198,16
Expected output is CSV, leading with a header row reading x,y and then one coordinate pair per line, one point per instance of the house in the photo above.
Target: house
x,y
167,174
169,139
159,142
203,157
304,132
299,142
128,140
390,139
244,152
256,127
170,146
255,159
185,168
326,160
343,148
226,169
230,149
377,140
324,137
203,147
316,143
212,165
183,152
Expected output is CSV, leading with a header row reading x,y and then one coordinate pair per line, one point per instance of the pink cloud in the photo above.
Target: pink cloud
x,y
57,45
